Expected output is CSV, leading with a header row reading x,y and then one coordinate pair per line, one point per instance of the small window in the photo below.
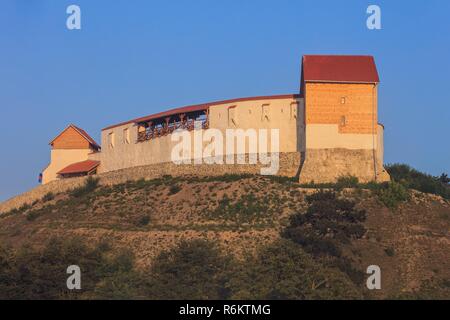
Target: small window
x,y
343,100
232,121
343,121
126,136
265,113
294,110
111,140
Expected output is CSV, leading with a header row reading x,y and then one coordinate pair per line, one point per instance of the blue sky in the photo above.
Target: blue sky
x,y
133,58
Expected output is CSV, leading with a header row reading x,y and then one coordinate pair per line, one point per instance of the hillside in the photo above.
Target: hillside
x,y
244,218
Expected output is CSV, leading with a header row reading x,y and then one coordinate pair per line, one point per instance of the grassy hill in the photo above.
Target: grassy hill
x,y
232,236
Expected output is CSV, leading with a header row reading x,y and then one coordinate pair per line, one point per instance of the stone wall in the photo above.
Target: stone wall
x,y
289,166
327,165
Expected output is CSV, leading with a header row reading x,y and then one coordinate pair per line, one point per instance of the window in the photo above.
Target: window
x,y
265,113
232,121
111,140
126,136
343,121
343,100
294,110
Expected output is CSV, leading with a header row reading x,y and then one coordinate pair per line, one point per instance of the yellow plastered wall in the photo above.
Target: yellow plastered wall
x,y
61,158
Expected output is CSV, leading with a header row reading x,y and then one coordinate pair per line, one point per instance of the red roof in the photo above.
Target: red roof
x,y
83,133
200,107
80,167
352,69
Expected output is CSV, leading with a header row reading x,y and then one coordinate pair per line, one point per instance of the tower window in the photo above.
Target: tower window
x,y
343,100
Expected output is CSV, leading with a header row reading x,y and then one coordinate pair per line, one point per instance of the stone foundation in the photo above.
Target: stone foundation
x,y
327,165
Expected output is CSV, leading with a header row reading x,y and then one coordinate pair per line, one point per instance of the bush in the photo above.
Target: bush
x,y
174,189
143,221
392,194
347,182
284,271
193,270
32,273
417,180
247,208
48,197
390,252
36,213
89,186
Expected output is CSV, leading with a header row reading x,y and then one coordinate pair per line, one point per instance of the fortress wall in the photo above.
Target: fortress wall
x,y
284,114
289,164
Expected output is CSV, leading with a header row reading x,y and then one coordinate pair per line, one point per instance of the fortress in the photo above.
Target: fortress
x,y
327,130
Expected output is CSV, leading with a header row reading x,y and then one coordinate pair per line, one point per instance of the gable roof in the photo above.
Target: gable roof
x,y
80,167
83,133
339,68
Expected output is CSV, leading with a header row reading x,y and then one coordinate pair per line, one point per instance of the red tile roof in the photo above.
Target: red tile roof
x,y
334,68
80,167
83,133
200,107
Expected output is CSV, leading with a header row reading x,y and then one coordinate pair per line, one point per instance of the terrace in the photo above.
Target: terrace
x,y
149,129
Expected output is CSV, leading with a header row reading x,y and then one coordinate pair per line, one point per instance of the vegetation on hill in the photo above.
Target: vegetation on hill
x,y
197,269
414,179
229,237
328,223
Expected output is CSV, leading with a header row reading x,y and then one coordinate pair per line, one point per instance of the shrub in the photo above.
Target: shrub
x,y
143,221
247,208
36,213
414,179
24,207
284,271
31,273
193,270
174,189
392,194
346,182
89,186
48,197
390,252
